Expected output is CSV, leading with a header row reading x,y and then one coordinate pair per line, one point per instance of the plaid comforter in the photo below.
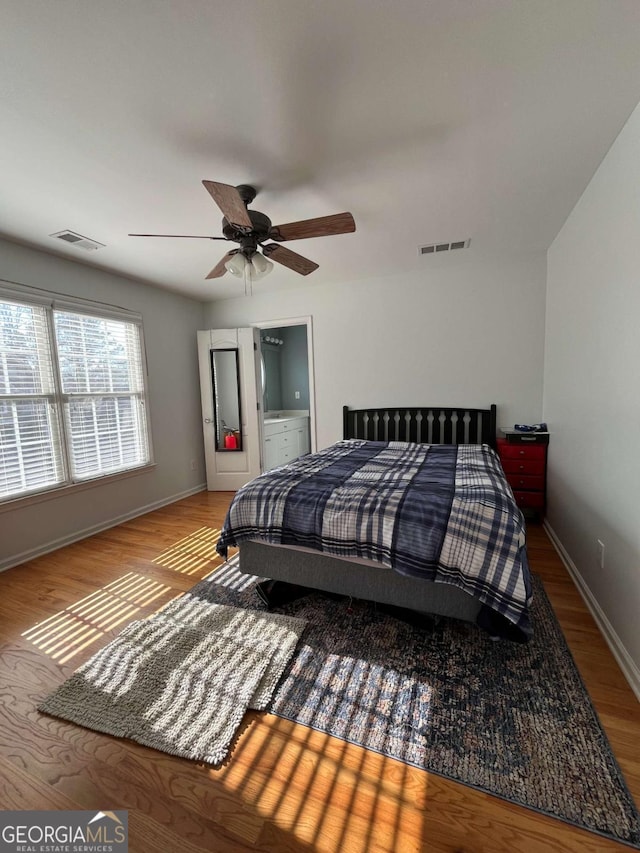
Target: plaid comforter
x,y
440,512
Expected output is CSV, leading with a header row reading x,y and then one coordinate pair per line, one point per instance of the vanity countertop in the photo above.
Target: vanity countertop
x,y
285,415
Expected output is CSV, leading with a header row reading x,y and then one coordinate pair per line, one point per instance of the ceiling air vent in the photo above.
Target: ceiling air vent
x,y
432,248
77,240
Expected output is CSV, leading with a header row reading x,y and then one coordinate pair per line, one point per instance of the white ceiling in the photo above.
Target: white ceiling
x,y
429,120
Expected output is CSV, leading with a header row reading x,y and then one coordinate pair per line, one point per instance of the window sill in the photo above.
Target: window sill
x,y
70,488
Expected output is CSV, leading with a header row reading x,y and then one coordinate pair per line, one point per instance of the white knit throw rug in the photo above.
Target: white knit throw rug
x,y
181,681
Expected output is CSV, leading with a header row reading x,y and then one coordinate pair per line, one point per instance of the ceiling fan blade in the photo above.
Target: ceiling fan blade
x,y
219,270
186,236
288,258
230,203
322,226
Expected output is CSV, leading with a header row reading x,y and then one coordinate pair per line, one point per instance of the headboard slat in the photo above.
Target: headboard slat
x,y
447,427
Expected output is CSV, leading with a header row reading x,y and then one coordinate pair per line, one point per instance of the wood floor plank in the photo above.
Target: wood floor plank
x,y
285,788
20,790
92,768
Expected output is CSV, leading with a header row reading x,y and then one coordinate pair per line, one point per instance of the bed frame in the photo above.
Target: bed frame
x,y
424,425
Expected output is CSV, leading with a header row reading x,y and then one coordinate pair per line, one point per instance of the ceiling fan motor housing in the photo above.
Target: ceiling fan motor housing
x,y
261,227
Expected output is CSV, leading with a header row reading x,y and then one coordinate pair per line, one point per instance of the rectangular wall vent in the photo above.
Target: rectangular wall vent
x,y
77,240
432,248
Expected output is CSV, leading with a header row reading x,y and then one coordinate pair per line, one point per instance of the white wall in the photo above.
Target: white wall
x,y
170,323
592,389
463,332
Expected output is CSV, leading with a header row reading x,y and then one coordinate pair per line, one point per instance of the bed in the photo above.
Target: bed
x,y
411,509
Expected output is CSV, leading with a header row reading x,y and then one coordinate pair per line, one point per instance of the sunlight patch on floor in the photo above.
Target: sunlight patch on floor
x,y
193,553
324,793
229,574
68,632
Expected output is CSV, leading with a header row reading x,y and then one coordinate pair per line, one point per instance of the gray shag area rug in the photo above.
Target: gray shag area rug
x,y
512,720
181,680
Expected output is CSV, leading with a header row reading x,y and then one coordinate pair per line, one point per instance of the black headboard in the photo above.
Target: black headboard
x,y
423,425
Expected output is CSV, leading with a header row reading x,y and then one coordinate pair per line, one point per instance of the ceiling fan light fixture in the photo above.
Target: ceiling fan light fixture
x,y
261,266
236,265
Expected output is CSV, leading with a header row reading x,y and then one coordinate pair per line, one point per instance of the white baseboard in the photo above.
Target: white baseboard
x,y
77,535
620,653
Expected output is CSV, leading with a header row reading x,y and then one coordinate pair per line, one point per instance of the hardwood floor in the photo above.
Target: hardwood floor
x,y
285,787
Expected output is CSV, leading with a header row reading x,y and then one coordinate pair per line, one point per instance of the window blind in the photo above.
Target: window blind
x,y
72,397
102,381
31,455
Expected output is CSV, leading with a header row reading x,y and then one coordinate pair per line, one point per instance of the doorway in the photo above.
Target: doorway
x,y
288,398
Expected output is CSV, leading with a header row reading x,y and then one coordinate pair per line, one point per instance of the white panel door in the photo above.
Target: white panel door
x,y
228,468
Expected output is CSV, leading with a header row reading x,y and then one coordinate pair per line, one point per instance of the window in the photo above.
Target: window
x,y
72,396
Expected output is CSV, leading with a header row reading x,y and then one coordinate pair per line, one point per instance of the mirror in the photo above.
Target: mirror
x,y
225,374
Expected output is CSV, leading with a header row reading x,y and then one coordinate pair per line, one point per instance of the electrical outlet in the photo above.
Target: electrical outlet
x,y
297,395
194,466
600,552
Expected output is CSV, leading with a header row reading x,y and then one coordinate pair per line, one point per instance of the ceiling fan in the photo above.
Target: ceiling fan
x,y
251,229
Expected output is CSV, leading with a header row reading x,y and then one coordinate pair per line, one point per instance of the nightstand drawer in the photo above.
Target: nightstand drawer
x,y
529,500
523,466
527,438
516,481
522,451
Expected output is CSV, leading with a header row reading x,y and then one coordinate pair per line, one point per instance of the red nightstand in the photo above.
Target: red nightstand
x,y
524,459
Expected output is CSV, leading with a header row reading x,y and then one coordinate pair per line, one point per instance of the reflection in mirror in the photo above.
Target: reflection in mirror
x,y
225,373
